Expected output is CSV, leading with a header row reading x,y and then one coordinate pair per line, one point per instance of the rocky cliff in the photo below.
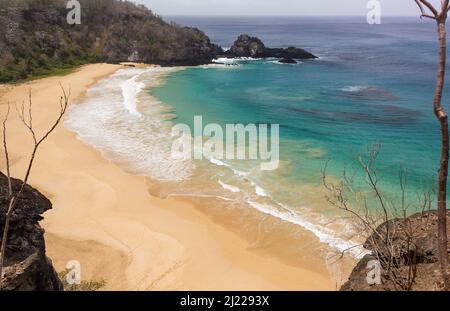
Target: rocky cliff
x,y
415,251
27,266
37,39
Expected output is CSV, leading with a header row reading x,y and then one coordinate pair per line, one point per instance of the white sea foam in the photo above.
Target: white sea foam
x,y
106,119
288,214
295,216
226,61
233,61
130,90
325,235
354,89
235,171
229,187
218,162
221,66
259,190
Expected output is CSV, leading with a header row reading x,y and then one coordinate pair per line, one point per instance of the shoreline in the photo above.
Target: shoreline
x,y
115,232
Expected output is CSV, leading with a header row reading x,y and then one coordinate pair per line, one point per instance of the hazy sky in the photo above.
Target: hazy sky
x,y
278,7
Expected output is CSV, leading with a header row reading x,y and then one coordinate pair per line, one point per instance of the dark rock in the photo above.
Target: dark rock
x,y
26,265
291,52
247,46
36,37
287,61
422,247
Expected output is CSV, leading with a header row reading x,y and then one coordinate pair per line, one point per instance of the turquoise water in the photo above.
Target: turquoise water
x,y
371,84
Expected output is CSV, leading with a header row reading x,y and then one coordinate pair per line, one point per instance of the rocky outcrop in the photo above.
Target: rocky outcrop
x,y
27,266
247,46
287,61
422,248
291,52
36,38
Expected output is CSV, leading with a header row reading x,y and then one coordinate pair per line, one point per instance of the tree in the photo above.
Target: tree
x,y
429,10
26,117
394,240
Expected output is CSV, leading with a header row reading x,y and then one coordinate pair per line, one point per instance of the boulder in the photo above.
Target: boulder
x,y
27,267
287,61
247,46
291,52
422,248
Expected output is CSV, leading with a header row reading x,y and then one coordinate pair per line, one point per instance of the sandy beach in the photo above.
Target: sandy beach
x,y
106,219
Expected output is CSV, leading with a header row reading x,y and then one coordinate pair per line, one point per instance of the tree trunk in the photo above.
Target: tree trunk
x,y
443,172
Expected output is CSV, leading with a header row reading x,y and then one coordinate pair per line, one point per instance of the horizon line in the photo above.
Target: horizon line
x,y
266,15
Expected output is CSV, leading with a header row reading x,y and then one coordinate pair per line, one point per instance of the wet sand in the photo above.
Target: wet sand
x,y
106,218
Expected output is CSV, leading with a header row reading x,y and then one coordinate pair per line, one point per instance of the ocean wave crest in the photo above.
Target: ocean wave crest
x,y
106,119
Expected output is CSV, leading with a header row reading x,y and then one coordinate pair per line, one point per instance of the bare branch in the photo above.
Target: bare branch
x,y
444,5
5,148
392,239
428,16
64,102
430,7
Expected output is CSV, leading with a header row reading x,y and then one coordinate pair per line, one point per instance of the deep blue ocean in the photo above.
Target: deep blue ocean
x,y
371,83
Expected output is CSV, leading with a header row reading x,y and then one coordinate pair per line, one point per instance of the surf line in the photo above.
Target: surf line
x,y
242,142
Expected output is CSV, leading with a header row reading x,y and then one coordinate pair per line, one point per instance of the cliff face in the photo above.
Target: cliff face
x,y
27,266
412,240
36,37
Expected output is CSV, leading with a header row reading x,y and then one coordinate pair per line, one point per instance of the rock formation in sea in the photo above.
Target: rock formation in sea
x,y
36,39
287,61
247,46
27,266
414,252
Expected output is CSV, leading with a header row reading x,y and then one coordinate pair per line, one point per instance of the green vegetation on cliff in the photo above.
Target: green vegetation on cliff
x,y
37,40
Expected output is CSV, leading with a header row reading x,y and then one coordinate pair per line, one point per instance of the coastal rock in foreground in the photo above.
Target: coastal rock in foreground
x,y
247,46
27,266
424,251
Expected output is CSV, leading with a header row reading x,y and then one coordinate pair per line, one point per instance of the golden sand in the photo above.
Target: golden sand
x,y
106,219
